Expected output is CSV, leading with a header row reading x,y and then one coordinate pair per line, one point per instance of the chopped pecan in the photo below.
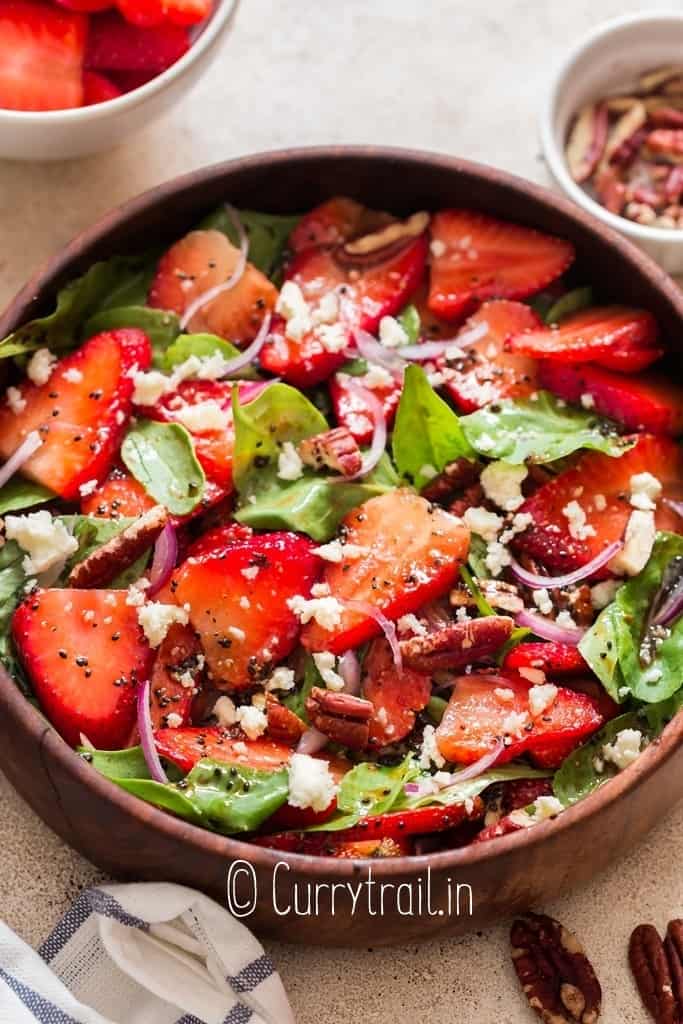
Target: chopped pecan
x,y
660,78
336,448
456,645
667,117
650,969
283,724
628,124
383,244
587,140
455,476
498,594
342,718
473,496
673,947
610,189
117,554
555,973
666,143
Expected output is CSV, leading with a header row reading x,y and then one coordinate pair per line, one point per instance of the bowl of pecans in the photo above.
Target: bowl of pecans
x,y
612,130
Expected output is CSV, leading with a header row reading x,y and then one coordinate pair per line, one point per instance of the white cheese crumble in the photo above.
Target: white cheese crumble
x,y
411,624
429,752
174,720
391,334
497,557
293,307
40,366
639,539
225,711
332,337
156,619
600,502
645,489
330,552
532,675
149,387
482,522
624,749
576,517
544,807
252,720
87,488
604,593
327,310
310,783
504,695
514,722
587,400
15,400
428,471
45,540
502,484
377,377
565,621
326,611
251,572
289,463
72,375
437,248
203,417
541,698
326,663
281,679
543,601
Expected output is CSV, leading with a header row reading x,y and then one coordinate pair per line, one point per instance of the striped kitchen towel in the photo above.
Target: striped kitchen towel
x,y
147,953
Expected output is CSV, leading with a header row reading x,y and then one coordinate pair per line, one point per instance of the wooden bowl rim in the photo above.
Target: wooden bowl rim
x,y
28,718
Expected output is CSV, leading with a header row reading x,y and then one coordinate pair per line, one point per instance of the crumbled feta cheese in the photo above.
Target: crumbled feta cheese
x,y
497,557
486,443
204,417
462,615
327,310
391,334
330,552
429,752
504,695
624,749
645,489
295,310
437,247
244,601
72,375
576,516
514,722
377,377
332,337
411,624
533,675
236,633
587,401
543,601
600,502
252,721
638,541
502,484
326,663
541,697
310,783
225,711
652,675
289,463
251,572
40,366
428,471
281,679
544,807
87,488
482,522
174,720
45,540
326,611
15,401
320,590
565,621
604,593
149,387
156,619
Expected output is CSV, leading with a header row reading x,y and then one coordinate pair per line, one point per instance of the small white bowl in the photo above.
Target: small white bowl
x,y
63,134
607,60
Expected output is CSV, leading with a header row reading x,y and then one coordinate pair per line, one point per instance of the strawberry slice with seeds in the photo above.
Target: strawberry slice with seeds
x,y
617,337
485,372
120,495
176,675
80,412
652,403
238,598
555,659
352,412
405,552
486,708
187,745
98,88
84,653
307,362
116,45
334,222
396,698
144,13
41,56
477,257
187,12
197,263
600,485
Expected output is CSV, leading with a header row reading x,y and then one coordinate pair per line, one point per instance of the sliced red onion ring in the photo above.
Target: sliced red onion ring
x,y
238,363
23,453
379,430
536,582
387,627
425,787
211,293
549,630
677,506
433,349
375,352
349,670
312,741
163,562
149,747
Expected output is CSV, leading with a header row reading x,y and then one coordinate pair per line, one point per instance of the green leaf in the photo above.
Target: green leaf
x,y
578,776
123,764
458,792
12,580
483,607
613,645
160,326
518,634
161,457
92,532
21,493
295,700
200,345
132,277
168,798
521,430
409,319
355,367
436,708
570,302
476,559
369,789
267,233
427,433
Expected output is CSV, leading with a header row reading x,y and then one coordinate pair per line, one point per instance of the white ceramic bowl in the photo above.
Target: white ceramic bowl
x,y
62,134
607,60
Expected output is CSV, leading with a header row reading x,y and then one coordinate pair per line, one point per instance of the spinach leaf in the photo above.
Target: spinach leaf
x,y
369,789
458,792
578,775
476,559
124,764
427,433
12,580
21,493
436,709
295,700
200,345
161,457
160,326
356,367
132,277
521,430
92,532
409,319
570,302
626,658
267,233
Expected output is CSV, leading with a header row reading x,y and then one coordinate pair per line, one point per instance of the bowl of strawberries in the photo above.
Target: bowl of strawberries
x,y
343,542
77,76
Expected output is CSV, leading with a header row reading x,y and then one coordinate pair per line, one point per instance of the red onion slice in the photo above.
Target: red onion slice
x,y
23,453
312,741
349,670
379,430
428,786
163,562
387,627
250,353
536,582
375,352
549,630
677,506
211,293
149,747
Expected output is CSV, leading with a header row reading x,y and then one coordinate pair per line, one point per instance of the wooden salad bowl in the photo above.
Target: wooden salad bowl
x,y
131,839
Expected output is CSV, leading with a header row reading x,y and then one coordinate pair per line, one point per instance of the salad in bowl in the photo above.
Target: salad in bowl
x,y
349,534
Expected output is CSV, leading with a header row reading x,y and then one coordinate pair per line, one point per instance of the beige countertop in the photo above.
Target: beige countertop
x,y
445,75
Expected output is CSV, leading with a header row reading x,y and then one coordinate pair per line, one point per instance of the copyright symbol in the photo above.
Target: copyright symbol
x,y
242,888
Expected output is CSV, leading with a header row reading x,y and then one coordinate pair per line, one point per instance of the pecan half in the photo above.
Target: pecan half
x,y
453,477
381,245
342,718
283,724
673,947
587,140
456,645
628,124
556,976
653,81
498,594
117,554
336,448
650,969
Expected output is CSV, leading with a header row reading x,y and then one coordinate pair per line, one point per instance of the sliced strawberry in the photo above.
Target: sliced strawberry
x,y
84,653
412,554
187,12
144,13
351,412
601,486
651,402
335,221
505,827
479,257
175,675
477,718
81,421
41,56
86,6
119,496
116,45
98,88
607,707
552,754
220,539
302,363
554,659
198,262
129,80
396,698
238,603
485,372
184,747
617,337
332,844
